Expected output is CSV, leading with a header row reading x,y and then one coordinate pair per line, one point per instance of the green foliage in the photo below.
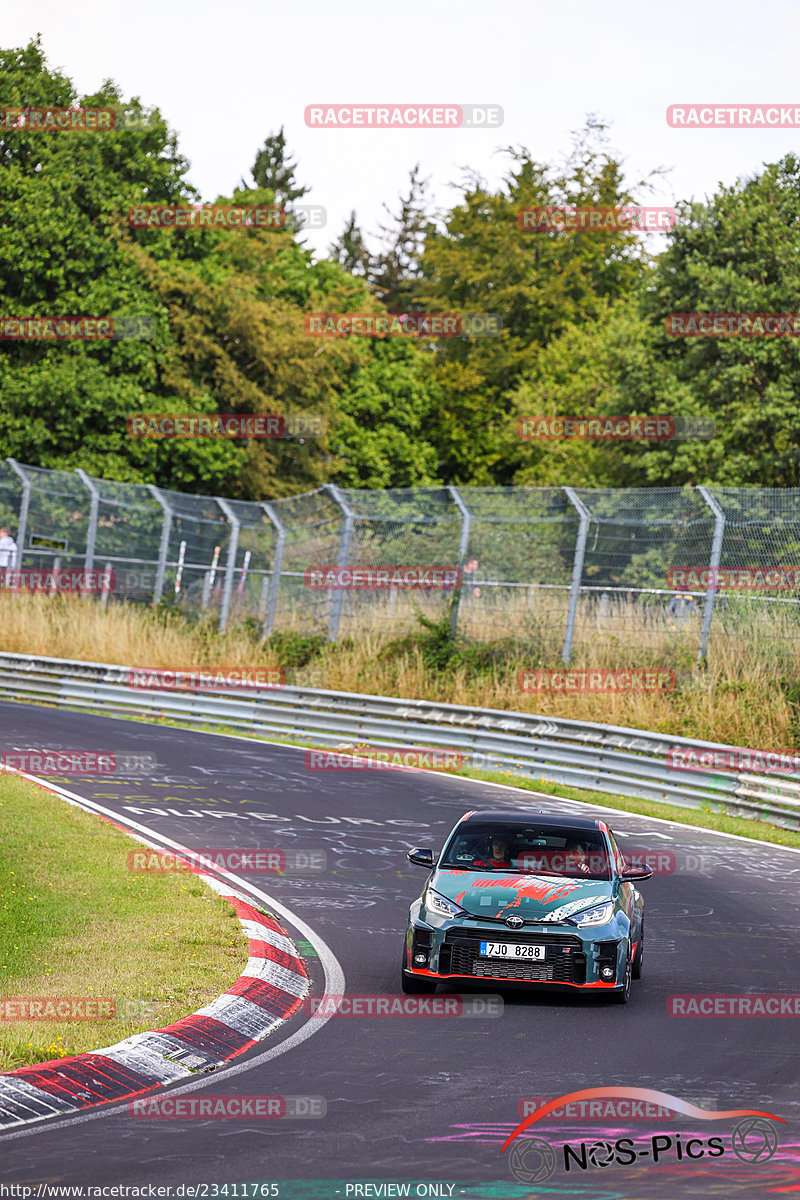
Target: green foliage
x,y
443,651
274,170
395,273
221,321
350,249
536,283
225,311
791,690
295,650
436,643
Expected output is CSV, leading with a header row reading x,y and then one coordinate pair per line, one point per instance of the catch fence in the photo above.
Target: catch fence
x,y
570,572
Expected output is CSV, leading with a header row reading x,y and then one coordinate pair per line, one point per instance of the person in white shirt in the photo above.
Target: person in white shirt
x,y
8,549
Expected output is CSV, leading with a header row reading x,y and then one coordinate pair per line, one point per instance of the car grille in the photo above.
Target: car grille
x,y
565,961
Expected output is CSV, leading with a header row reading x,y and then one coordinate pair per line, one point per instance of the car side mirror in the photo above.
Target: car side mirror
x,y
638,871
421,858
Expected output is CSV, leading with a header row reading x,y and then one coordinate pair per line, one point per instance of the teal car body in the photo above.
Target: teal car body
x,y
558,908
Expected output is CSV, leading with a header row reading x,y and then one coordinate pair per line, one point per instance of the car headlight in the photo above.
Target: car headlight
x,y
439,904
601,914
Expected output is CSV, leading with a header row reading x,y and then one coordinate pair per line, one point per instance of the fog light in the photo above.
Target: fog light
x,y
607,973
421,959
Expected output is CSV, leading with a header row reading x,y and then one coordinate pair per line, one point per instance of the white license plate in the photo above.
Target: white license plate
x,y
511,950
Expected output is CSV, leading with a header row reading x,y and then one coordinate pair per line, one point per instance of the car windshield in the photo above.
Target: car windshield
x,y
528,850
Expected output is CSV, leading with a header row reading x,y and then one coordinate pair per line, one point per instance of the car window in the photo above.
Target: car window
x,y
539,850
619,861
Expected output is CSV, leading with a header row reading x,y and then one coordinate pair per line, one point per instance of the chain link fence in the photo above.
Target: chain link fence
x,y
567,568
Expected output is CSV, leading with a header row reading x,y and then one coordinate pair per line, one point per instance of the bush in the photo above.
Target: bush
x,y
441,651
295,650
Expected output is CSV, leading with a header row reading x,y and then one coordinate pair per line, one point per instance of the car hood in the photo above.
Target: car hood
x,y
534,897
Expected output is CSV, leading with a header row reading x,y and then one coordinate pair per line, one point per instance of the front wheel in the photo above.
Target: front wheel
x,y
623,994
416,985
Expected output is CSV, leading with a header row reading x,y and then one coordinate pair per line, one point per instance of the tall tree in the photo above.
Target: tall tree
x,y
397,267
535,284
274,170
740,254
350,249
220,314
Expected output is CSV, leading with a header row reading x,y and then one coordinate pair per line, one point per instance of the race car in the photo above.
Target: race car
x,y
538,899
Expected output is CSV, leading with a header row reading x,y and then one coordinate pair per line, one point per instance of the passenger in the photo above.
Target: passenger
x,y
576,859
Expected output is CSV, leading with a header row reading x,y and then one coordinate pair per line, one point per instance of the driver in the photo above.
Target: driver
x,y
497,854
576,858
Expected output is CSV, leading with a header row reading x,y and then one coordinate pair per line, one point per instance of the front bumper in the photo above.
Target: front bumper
x,y
593,958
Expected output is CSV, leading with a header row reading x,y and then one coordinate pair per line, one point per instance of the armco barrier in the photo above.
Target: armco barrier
x,y
603,758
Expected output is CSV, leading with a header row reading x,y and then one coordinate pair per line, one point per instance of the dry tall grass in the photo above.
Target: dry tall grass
x,y
745,696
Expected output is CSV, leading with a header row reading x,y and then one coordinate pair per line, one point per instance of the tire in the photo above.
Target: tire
x,y
622,995
416,985
636,966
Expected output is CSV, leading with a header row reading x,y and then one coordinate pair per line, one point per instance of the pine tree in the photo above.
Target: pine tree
x,y
350,249
274,170
397,267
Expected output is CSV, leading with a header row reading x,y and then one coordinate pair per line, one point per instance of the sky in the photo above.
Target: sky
x,y
227,75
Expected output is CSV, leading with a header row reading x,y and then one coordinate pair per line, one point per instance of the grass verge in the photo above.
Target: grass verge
x,y
76,922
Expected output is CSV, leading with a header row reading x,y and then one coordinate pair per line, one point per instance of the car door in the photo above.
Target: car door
x,y
630,896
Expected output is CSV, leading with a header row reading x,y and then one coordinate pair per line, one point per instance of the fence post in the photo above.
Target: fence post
x,y
716,555
262,599
230,566
166,528
277,565
577,570
91,533
104,598
342,557
23,509
463,544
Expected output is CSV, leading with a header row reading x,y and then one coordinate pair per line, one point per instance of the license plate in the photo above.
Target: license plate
x,y
511,950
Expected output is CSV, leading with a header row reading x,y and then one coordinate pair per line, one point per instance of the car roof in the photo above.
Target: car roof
x,y
534,816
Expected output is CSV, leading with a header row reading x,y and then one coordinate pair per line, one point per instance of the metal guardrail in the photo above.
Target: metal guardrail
x,y
603,758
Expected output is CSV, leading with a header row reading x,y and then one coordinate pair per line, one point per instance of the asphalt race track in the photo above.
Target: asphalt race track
x,y
431,1100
